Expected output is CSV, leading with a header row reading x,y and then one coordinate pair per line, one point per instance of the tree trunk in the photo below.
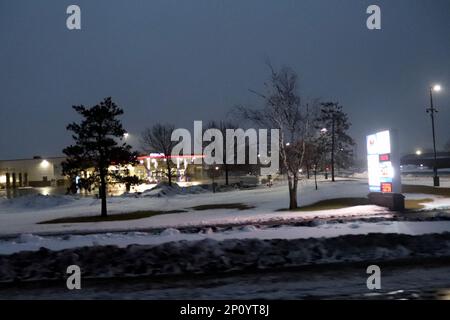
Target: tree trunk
x,y
315,178
226,175
307,170
103,193
332,149
293,192
169,173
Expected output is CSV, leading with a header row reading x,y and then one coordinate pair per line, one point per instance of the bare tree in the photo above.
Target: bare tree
x,y
158,139
284,110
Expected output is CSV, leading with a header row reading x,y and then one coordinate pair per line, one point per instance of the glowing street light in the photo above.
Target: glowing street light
x,y
437,88
125,135
419,152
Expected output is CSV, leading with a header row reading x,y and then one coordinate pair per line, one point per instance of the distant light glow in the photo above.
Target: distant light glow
x,y
45,164
46,191
125,135
437,88
418,152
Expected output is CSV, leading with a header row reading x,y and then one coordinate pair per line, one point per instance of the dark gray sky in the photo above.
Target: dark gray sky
x,y
184,60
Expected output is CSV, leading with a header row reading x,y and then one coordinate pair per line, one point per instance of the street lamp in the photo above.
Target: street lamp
x,y
437,88
125,135
419,152
432,111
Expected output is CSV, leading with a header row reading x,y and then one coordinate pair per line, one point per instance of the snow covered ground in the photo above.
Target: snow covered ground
x,y
21,215
258,238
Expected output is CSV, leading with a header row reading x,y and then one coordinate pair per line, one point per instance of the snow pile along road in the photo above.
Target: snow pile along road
x,y
212,257
164,190
317,228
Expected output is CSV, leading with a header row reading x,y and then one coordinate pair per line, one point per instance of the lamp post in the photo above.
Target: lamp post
x,y
216,169
432,111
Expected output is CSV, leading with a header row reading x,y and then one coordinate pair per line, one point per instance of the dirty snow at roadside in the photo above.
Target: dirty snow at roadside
x,y
30,242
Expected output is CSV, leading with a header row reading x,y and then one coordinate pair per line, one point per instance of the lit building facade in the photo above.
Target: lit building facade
x,y
150,169
47,172
153,168
36,172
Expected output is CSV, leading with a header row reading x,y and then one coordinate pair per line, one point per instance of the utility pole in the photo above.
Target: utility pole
x,y
332,144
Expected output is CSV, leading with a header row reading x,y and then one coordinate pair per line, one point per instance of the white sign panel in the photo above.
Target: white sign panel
x,y
382,163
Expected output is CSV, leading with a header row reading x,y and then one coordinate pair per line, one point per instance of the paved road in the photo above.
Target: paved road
x,y
430,280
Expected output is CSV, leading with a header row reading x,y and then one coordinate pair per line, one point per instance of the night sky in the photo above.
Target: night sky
x,y
183,60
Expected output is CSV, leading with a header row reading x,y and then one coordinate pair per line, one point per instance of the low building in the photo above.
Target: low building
x,y
36,172
46,172
151,169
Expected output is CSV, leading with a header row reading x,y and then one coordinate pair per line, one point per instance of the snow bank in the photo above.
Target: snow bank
x,y
212,257
170,232
330,229
164,190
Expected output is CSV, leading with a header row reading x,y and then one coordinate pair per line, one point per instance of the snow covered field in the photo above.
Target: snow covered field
x,y
19,217
213,241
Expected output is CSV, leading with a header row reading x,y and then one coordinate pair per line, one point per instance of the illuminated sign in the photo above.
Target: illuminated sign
x,y
386,187
383,163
